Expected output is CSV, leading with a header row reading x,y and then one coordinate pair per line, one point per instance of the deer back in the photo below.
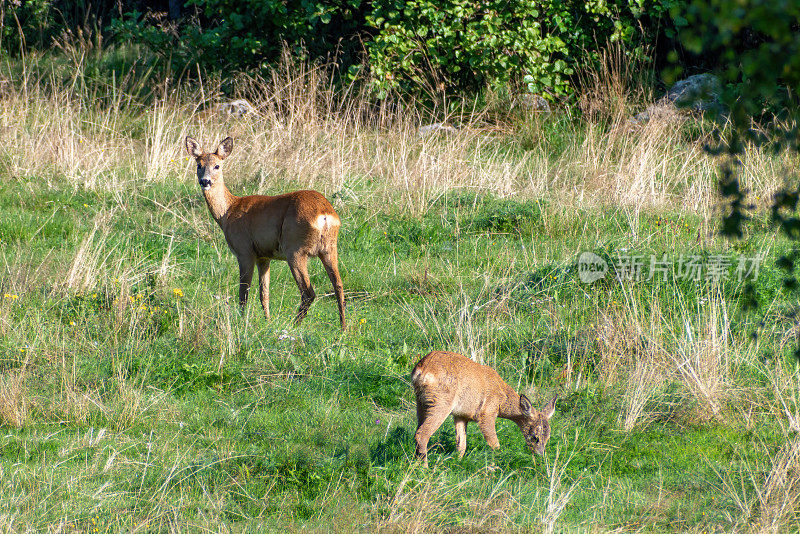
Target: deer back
x,y
453,381
273,226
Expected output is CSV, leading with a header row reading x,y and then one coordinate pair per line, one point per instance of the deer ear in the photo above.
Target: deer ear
x,y
525,404
224,148
193,147
550,408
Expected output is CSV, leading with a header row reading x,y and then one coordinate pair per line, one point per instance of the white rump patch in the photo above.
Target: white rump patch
x,y
324,221
424,379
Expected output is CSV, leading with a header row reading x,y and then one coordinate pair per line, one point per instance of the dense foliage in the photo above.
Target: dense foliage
x,y
249,34
755,45
466,45
26,24
420,46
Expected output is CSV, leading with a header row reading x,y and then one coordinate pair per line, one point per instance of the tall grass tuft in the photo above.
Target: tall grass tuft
x,y
557,495
702,356
432,503
14,401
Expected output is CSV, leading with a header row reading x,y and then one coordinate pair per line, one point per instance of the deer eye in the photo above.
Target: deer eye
x,y
216,166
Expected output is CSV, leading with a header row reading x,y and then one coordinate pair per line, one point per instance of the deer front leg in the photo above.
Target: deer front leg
x,y
245,277
487,426
263,284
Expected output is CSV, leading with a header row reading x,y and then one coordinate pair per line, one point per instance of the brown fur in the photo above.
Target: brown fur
x,y
448,383
259,228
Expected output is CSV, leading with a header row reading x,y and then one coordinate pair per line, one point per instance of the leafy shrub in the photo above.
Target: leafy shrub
x,y
507,217
250,34
459,45
421,46
44,22
467,45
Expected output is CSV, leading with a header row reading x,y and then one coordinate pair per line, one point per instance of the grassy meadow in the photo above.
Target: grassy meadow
x,y
134,397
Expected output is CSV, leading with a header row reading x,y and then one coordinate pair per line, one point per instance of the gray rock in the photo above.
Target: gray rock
x,y
436,127
531,103
237,108
698,93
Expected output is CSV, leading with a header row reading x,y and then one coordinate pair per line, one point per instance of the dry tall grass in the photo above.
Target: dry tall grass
x,y
703,356
431,503
14,401
309,133
557,495
643,353
765,490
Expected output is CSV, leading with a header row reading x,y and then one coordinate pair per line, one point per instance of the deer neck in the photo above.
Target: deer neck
x,y
219,200
509,407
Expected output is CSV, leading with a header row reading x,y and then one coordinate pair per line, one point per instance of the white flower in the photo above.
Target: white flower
x,y
284,335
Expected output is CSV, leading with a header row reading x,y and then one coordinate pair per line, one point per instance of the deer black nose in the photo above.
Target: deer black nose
x,y
204,182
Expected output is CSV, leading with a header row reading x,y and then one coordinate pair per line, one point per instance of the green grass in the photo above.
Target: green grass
x,y
135,397
148,407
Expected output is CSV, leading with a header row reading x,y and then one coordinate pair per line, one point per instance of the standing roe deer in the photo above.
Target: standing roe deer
x,y
260,228
448,383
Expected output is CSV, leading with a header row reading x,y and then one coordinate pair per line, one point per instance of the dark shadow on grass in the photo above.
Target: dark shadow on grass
x,y
361,381
400,446
397,447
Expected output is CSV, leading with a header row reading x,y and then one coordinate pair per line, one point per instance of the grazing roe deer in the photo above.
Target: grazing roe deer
x,y
260,228
448,383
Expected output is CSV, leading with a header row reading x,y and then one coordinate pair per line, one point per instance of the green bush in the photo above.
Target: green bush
x,y
463,45
44,22
423,47
250,34
458,45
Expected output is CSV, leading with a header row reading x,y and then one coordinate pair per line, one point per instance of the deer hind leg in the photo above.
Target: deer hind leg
x,y
429,423
246,266
263,284
330,260
298,264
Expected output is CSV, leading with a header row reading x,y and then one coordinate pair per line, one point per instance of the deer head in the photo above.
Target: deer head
x,y
535,425
209,164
